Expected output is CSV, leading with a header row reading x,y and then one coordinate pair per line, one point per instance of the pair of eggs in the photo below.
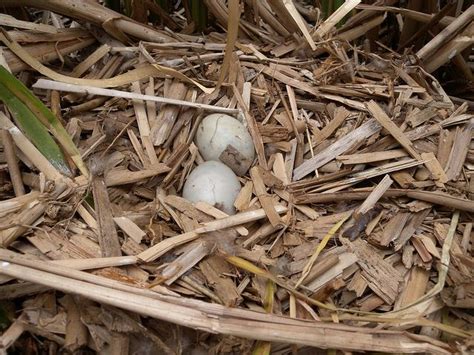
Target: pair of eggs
x,y
214,182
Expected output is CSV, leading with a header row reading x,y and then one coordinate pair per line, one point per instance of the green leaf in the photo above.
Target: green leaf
x,y
44,115
4,320
34,130
199,14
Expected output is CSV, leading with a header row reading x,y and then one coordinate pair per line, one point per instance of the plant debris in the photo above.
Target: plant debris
x,y
353,225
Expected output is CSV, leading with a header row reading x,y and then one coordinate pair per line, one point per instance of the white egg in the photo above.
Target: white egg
x,y
215,183
217,131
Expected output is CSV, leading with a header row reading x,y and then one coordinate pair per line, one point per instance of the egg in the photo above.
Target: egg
x,y
215,183
218,132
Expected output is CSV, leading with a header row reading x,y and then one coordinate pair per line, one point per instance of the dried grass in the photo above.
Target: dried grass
x,y
353,229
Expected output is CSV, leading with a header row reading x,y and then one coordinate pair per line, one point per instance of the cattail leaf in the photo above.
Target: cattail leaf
x,y
43,115
34,130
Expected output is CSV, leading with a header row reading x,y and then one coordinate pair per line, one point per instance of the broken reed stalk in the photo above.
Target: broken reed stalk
x,y
99,15
12,161
94,263
30,151
335,17
295,15
223,320
16,203
456,45
46,52
448,32
166,245
91,90
388,263
434,197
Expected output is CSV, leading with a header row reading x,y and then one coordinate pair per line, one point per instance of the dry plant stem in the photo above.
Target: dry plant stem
x,y
463,66
253,128
213,269
96,263
62,34
396,132
16,203
265,199
123,177
374,196
307,268
167,116
76,331
444,265
10,21
14,331
46,52
290,7
442,37
335,17
264,231
339,117
415,286
164,295
415,15
120,344
396,322
361,30
30,150
342,145
459,151
435,167
434,20
374,113
274,73
93,58
230,321
380,275
248,266
265,13
68,272
91,90
233,20
39,331
166,245
316,270
434,197
199,287
122,79
217,213
130,228
450,49
143,125
108,238
13,169
113,22
362,158
21,223
194,254
466,237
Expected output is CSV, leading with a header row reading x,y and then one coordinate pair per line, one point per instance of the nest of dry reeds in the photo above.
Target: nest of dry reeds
x,y
353,226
